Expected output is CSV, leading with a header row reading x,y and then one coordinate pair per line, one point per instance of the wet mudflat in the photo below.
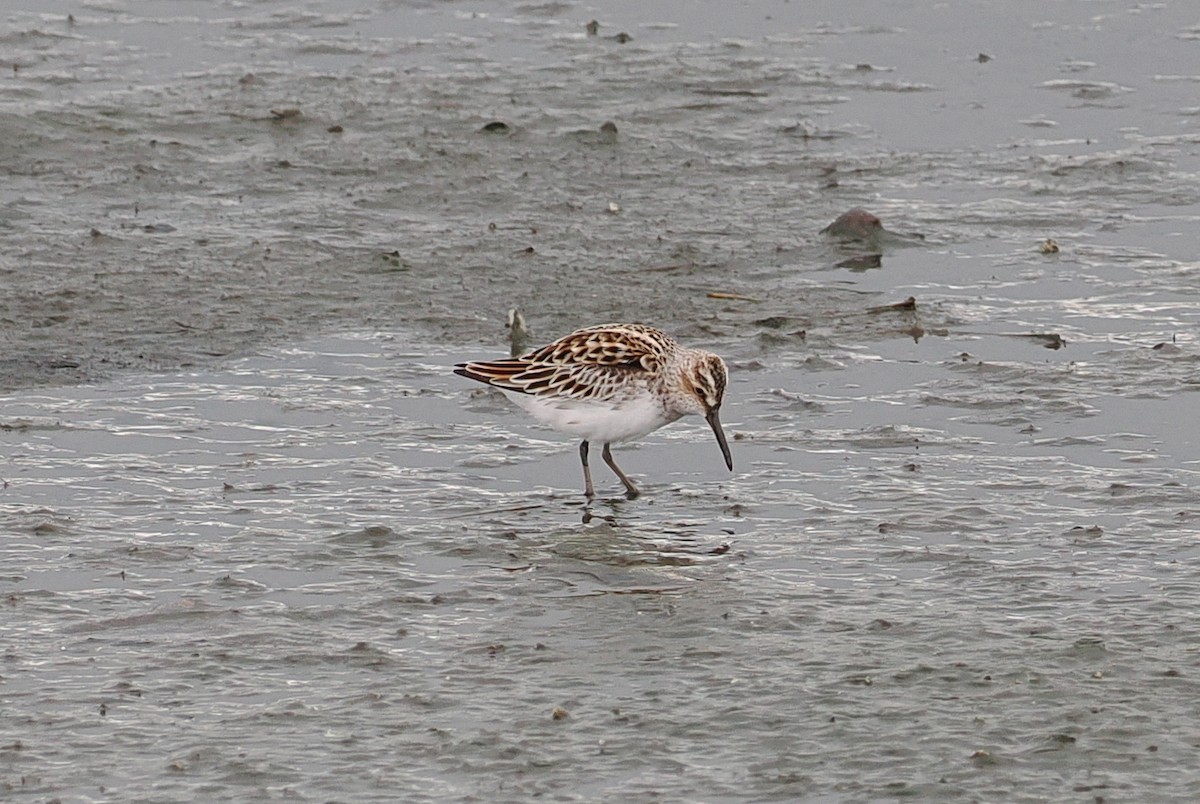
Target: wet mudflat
x,y
259,543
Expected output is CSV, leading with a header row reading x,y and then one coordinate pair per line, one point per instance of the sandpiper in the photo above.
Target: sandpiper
x,y
611,383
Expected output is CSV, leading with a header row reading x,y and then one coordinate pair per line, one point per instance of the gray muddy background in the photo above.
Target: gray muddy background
x,y
256,543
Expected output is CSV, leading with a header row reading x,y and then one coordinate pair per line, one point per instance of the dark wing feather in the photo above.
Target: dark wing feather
x,y
631,345
580,381
593,363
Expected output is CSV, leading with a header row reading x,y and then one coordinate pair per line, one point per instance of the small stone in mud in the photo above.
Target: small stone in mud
x,y
335,129
1051,340
96,232
862,262
856,224
285,114
394,260
559,713
908,304
248,78
495,127
609,128
983,58
593,28
621,38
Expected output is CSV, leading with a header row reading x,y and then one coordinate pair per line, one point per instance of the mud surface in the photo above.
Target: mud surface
x,y
185,182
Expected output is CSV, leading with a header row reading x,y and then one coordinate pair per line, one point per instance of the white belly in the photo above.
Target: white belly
x,y
612,421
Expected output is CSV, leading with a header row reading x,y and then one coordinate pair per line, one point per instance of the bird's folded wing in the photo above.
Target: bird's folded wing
x,y
631,346
576,381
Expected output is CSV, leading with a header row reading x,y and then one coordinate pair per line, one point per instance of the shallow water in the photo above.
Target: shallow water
x,y
335,571
258,543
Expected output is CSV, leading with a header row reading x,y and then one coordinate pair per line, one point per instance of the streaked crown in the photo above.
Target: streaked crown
x,y
703,378
713,377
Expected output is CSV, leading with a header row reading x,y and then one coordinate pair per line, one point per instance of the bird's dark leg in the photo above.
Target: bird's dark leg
x,y
631,490
587,472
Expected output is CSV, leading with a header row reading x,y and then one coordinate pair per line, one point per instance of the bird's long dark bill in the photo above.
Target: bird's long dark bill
x,y
715,423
